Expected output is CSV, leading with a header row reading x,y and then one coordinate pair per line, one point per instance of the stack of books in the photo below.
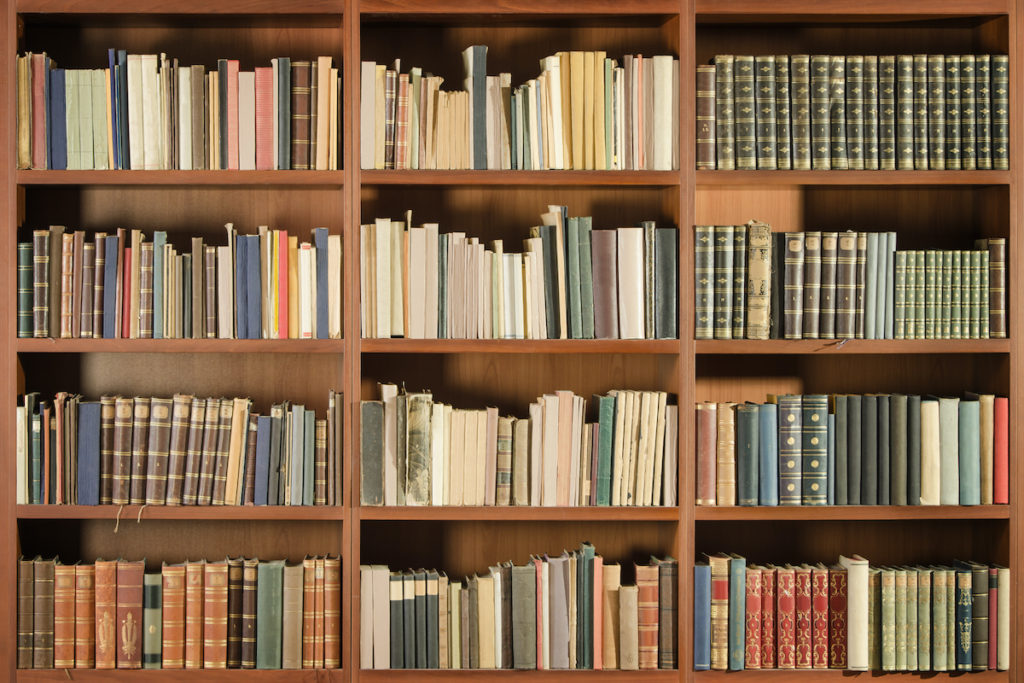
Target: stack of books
x,y
850,615
583,111
570,282
414,451
237,613
147,112
184,450
857,112
872,449
566,612
752,283
119,285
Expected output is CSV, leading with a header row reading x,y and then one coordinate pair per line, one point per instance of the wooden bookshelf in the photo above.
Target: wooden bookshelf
x,y
927,208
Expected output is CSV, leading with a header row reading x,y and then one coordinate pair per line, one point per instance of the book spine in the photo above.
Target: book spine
x,y
173,625
821,113
758,283
152,621
804,617
764,102
921,119
936,112
706,121
793,296
739,280
301,108
723,281
827,296
814,433
886,112
837,635
983,111
905,112
790,444
855,96
811,285
846,286
783,134
737,611
26,289
954,146
130,576
1000,112
747,454
725,138
785,618
837,113
745,113
752,638
968,119
64,616
704,281
768,465
800,111
768,648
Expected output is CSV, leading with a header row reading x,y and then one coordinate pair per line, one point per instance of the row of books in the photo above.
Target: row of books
x,y
570,282
850,615
566,612
888,112
148,112
415,451
121,285
872,449
750,282
238,613
583,111
184,450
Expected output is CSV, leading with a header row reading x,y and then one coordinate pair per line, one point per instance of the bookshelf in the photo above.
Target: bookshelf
x,y
927,208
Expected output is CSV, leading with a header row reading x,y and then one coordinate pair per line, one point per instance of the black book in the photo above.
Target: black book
x,y
853,461
898,450
775,309
842,444
883,450
547,235
914,450
869,451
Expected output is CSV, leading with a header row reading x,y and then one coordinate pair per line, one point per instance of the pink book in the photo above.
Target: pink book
x,y
233,114
40,74
264,118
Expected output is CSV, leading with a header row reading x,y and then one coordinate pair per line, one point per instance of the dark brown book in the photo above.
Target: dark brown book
x,y
177,453
320,463
159,450
220,468
467,597
606,296
64,616
98,283
77,281
140,450
88,287
26,610
812,284
301,114
505,655
129,613
249,491
211,434
332,612
668,578
210,283
194,452
996,285
40,283
249,571
707,453
339,424
122,453
42,612
198,289
53,292
314,86
706,117
146,291
235,611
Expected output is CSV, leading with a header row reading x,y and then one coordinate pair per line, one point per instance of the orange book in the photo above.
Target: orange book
x,y
173,625
332,612
647,615
129,613
85,616
194,614
215,616
318,617
308,610
106,613
64,616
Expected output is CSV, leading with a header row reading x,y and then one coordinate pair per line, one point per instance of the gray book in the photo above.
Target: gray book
x,y
401,445
800,109
297,453
837,112
936,112
884,444
882,294
898,449
308,455
587,276
871,288
724,113
914,450
371,454
830,492
475,61
853,449
855,112
559,610
269,609
841,434
524,617
890,278
572,268
739,281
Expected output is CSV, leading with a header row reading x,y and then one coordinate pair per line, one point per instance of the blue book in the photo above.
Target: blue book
x,y
241,289
262,459
701,617
159,241
57,113
114,114
284,113
110,286
122,108
831,474
298,433
308,456
768,454
737,611
254,298
970,453
320,242
89,453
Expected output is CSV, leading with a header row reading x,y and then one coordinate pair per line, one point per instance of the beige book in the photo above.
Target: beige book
x,y
536,452
529,311
725,448
565,415
669,480
986,408
518,313
576,436
459,442
611,576
417,283
366,296
493,123
236,468
629,256
570,565
293,287
497,290
485,320
366,617
1003,627
759,257
641,486
549,457
135,295
629,654
481,455
659,450
152,138
534,246
661,130
367,114
381,620
323,111
491,455
25,112
589,107
447,470
521,462
562,109
856,611
930,462
389,397
378,119
617,446
624,405
225,294
398,277
455,624
334,288
586,443
485,620
430,276
383,260
600,144
442,622
307,291
577,95
247,120
291,618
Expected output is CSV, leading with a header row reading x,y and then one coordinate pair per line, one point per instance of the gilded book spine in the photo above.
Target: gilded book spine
x,y
921,141
746,136
723,281
794,286
706,117
783,130
983,111
739,280
812,285
800,110
790,443
871,112
936,112
725,110
820,113
953,111
1000,112
855,112
766,120
968,122
827,297
905,112
837,112
704,276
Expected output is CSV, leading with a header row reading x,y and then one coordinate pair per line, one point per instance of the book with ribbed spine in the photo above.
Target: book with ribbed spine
x,y
936,112
719,611
63,616
837,113
962,624
723,281
725,468
768,465
704,275
793,297
737,611
887,113
647,615
855,95
945,299
706,121
953,109
827,296
130,577
768,649
886,617
766,131
739,280
783,127
812,285
921,131
752,637
800,109
968,122
874,621
837,617
26,289
725,109
85,616
814,432
1000,112
173,614
152,621
790,445
745,113
846,285
860,291
821,132
996,247
900,295
983,111
785,616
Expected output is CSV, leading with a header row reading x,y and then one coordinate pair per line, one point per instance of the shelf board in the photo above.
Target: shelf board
x,y
187,7
529,8
522,178
241,178
872,178
850,346
181,675
633,346
180,345
851,512
750,11
130,513
521,513
840,675
383,676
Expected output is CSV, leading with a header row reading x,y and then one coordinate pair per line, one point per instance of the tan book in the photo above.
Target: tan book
x,y
334,286
389,396
576,435
562,116
323,112
481,457
443,661
570,564
629,655
930,472
367,630
629,403
485,620
471,459
600,144
291,617
759,264
564,453
457,457
455,625
378,122
239,424
25,112
381,620
725,491
589,107
398,277
641,487
660,447
611,578
987,412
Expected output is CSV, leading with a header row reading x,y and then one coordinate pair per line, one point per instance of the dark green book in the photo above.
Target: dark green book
x,y
395,598
869,450
905,112
883,450
945,295
964,624
152,620
887,113
572,273
897,449
921,140
783,127
900,295
790,442
821,154
983,111
524,617
936,112
409,619
854,432
914,450
605,442
855,112
837,112
269,596
431,617
739,281
723,281
1000,112
839,404
585,611
979,617
874,624
746,106
814,449
703,285
968,159
548,244
932,293
747,454
764,102
800,109
919,292
587,276
966,291
869,126
25,289
419,579
725,141
953,148
371,453
666,285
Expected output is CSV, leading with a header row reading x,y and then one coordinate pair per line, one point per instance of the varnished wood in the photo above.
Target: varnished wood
x,y
503,178
319,346
641,346
518,7
183,178
131,513
852,512
181,675
851,346
517,514
270,7
805,10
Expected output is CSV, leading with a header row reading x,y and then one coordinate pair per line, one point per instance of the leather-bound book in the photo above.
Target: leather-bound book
x,y
152,620
725,492
146,291
308,610
318,616
215,615
647,615
804,616
194,451
220,463
813,451
129,613
765,118
106,613
249,483
235,611
785,616
769,652
159,450
819,616
211,435
173,628
25,290
707,449
837,617
301,110
706,117
67,280
783,129
194,604
725,112
753,630
524,617
249,570
85,616
26,610
177,457
745,118
1000,112
64,616
43,572
122,451
139,450
793,296
332,612
759,281
719,611
40,283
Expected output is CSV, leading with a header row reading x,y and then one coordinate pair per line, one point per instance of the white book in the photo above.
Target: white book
x,y
554,82
536,451
668,481
517,296
275,76
367,113
545,591
437,434
417,283
152,140
397,270
389,397
529,324
185,119
381,621
247,120
382,284
641,486
306,302
496,577
497,292
225,300
675,113
415,88
367,296
487,303
446,471
662,130
549,484
333,128
620,118
508,294
492,123
323,112
430,293
366,613
576,457
634,96
481,450
472,459
530,113
931,475
856,612
629,253
379,71
457,442
334,286
21,497
136,120
505,141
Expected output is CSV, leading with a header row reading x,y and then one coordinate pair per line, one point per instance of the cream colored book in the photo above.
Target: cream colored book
x,y
366,614
629,254
545,592
152,139
437,445
659,451
398,275
135,295
481,455
518,296
306,303
562,114
389,397
417,283
493,123
366,294
620,417
367,113
247,120
490,446
225,298
641,486
629,654
661,130
236,465
669,480
856,611
455,624
576,436
564,474
383,281
430,294
589,105
600,142
498,291
930,462
447,470
293,287
323,112
495,576
334,273
560,136
378,118
529,323
549,479
1003,627
485,620
458,459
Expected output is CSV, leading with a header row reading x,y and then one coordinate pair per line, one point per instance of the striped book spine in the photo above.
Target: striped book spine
x,y
739,280
146,292
871,113
968,151
887,113
854,87
837,112
790,442
25,289
723,281
905,112
706,119
746,139
800,110
813,449
821,158
1000,112
983,111
783,127
793,289
936,112
764,102
301,113
812,285
921,112
725,110
704,275
953,110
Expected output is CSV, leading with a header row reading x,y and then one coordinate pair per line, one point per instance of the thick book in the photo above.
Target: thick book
x,y
768,454
725,111
747,432
783,128
759,281
765,105
790,448
723,281
706,122
130,576
172,596
753,630
800,103
745,113
855,96
837,112
813,453
269,596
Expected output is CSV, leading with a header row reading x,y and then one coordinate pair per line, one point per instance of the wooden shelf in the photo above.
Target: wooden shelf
x,y
523,178
187,7
849,346
180,345
383,676
834,10
636,346
517,514
850,512
182,675
808,675
870,178
519,7
130,513
284,178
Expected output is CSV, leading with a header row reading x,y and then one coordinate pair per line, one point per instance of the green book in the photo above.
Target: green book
x,y
936,112
925,625
931,293
650,277
839,408
814,449
980,617
764,102
572,268
869,450
983,111
874,619
269,594
898,449
800,109
976,268
955,295
739,281
152,621
905,112
746,137
723,281
725,109
1000,112
666,285
74,137
968,451
953,149
915,295
855,112
25,289
737,611
790,443
887,619
821,155
783,128
837,112
704,274
587,276
965,294
900,296
968,161
951,630
900,613
983,295
912,627
886,113
605,444
747,454
944,327
921,112
869,126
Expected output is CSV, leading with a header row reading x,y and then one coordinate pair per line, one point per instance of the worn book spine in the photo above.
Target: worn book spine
x,y
723,280
812,285
301,112
758,284
40,283
968,120
725,468
827,294
860,291
719,612
725,139
752,636
813,453
886,112
846,286
747,432
905,114
794,290
701,616
800,110
1000,86
979,616
64,616
821,112
954,148
707,436
768,597
172,655
936,112
706,122
26,289
269,596
983,111
790,445
666,256
855,96
152,621
739,280
765,116
921,119
248,650
158,451
130,576
996,285
900,295
837,618
783,126
837,113
43,577
26,599
745,113
647,616
785,617
704,283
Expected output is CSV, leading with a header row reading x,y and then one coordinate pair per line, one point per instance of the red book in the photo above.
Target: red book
x,y
768,617
837,617
993,616
40,76
1001,452
753,631
264,118
126,296
232,114
129,614
402,124
819,616
282,286
803,617
785,617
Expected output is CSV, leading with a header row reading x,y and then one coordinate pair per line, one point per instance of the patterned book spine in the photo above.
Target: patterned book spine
x,y
139,450
886,113
194,604
924,619
759,260
107,460
790,441
723,281
739,280
963,624
152,620
704,276
249,573
993,617
159,444
764,102
706,126
320,458
827,298
837,617
983,295
871,114
919,273
768,651
874,619
223,446
837,112
129,614
41,283
67,284
26,290
887,619
855,111
921,137
860,291
900,607
235,586
332,612
821,154
719,612
106,613
953,109
800,110
819,617
804,617
725,467
503,474
725,109
983,111
846,286
811,308
390,100
945,294
215,615
968,122
647,615
146,291
752,641
1000,112
88,287
794,286
173,631
301,109
932,294
308,610
785,618
783,130
123,411
905,112
402,123
936,112
745,108
64,616
813,449
194,452
900,295
940,622
85,616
